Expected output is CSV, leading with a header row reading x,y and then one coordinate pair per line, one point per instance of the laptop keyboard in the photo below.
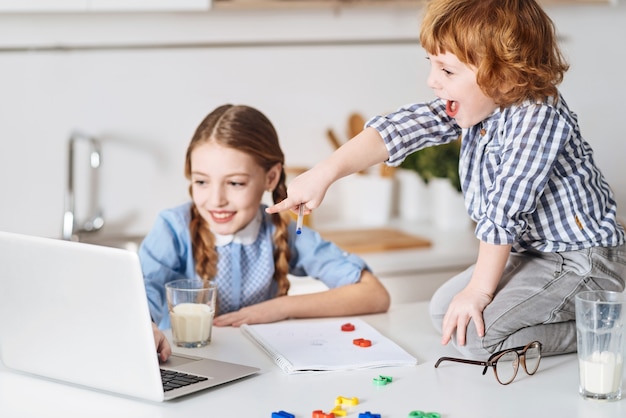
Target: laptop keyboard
x,y
174,380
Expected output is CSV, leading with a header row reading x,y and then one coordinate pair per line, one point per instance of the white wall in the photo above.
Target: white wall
x,y
145,103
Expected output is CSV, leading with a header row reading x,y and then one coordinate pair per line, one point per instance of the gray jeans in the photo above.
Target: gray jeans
x,y
535,299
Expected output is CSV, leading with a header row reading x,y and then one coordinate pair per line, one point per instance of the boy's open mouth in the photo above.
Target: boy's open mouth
x,y
452,108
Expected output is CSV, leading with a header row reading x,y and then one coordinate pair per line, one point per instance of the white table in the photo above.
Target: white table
x,y
454,390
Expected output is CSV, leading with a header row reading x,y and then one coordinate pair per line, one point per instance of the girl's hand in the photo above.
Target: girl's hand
x,y
261,313
467,305
366,296
162,345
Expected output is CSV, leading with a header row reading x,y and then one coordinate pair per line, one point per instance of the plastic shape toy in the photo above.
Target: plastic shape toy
x,y
318,413
382,380
342,400
362,342
421,414
282,414
339,411
347,327
368,414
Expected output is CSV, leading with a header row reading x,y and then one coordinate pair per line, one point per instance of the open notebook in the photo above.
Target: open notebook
x,y
321,345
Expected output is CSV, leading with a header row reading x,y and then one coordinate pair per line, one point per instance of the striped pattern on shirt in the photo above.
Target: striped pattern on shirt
x,y
530,181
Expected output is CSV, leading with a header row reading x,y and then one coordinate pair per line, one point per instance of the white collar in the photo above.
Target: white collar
x,y
246,236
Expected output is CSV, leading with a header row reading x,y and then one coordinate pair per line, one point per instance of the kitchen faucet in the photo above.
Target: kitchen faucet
x,y
95,222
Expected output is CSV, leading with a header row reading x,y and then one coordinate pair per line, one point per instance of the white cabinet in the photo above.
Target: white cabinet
x,y
50,6
335,4
42,5
149,5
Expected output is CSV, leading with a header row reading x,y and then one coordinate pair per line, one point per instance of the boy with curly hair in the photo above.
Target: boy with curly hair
x,y
545,215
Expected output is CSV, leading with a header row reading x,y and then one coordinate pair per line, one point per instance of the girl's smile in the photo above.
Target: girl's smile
x,y
222,217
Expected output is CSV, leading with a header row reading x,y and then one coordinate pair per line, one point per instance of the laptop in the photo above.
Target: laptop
x,y
78,313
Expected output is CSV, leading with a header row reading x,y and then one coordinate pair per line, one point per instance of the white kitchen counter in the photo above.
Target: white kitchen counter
x,y
449,249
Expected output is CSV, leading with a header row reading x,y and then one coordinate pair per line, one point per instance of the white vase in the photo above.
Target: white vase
x,y
367,199
447,205
413,196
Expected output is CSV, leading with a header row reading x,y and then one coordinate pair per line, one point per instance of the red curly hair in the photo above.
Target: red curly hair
x,y
512,44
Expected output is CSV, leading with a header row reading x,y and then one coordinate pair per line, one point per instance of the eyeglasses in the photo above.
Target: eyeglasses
x,y
506,362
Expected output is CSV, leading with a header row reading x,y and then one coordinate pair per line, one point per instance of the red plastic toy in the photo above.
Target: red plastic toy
x,y
347,327
320,414
362,342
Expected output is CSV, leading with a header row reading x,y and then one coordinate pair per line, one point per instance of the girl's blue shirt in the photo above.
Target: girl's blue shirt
x,y
166,255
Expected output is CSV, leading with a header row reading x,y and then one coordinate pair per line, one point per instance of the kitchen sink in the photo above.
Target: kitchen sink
x,y
125,242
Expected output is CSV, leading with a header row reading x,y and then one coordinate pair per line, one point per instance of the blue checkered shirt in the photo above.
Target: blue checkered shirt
x,y
529,180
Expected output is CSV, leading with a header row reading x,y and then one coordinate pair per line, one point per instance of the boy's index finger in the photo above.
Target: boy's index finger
x,y
282,206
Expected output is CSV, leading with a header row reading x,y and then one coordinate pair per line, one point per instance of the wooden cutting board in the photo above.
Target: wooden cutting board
x,y
360,241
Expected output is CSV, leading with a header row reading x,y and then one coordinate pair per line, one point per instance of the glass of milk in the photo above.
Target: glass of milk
x,y
191,305
600,321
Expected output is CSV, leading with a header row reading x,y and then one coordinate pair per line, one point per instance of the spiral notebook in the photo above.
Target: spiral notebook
x,y
299,346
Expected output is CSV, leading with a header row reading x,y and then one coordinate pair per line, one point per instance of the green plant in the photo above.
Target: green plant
x,y
440,161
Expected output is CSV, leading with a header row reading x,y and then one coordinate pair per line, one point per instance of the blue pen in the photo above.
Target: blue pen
x,y
300,216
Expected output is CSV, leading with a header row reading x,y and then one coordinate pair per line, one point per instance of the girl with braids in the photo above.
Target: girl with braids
x,y
225,235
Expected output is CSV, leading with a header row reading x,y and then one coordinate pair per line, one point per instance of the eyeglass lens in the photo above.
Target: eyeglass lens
x,y
531,358
508,363
506,367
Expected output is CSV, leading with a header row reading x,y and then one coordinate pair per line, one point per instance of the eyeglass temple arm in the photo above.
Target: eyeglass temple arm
x,y
461,360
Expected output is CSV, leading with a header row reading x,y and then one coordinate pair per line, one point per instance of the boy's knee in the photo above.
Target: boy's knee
x,y
436,315
474,347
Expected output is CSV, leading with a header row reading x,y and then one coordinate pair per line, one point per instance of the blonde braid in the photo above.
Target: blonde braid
x,y
282,254
203,246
